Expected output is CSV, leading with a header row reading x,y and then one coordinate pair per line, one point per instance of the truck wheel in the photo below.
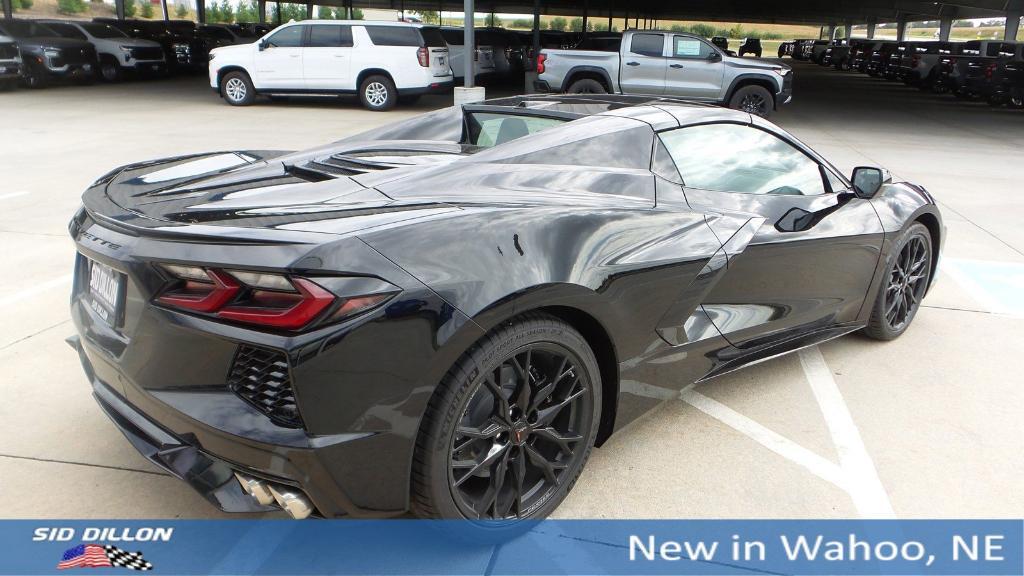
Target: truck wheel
x,y
752,99
586,86
237,89
35,78
110,70
378,93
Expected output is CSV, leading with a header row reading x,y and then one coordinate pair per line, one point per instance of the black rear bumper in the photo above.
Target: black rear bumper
x,y
213,478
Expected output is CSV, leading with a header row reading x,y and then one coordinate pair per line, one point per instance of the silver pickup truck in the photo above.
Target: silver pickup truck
x,y
672,64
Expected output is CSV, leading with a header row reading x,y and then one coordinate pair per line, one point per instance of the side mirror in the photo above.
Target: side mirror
x,y
263,45
868,180
714,57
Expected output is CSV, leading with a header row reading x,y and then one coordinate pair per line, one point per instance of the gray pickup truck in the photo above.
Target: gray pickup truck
x,y
671,64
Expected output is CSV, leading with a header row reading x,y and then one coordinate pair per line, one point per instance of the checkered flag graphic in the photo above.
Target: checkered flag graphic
x,y
130,560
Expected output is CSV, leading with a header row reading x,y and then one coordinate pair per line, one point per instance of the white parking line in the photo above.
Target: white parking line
x,y
34,290
771,440
13,194
862,481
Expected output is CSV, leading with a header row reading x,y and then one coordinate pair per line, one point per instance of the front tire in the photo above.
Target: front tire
x,y
35,78
753,99
586,86
511,426
904,284
110,70
378,93
237,89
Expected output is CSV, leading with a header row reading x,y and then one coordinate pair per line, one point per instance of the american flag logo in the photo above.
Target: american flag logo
x,y
97,556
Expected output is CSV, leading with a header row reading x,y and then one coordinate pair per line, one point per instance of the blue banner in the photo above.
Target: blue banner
x,y
415,547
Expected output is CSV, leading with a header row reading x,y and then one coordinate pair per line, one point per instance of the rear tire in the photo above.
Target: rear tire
x,y
378,93
904,284
586,86
753,99
476,452
237,89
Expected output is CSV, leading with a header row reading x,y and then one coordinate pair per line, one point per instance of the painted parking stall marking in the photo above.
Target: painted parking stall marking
x,y
996,285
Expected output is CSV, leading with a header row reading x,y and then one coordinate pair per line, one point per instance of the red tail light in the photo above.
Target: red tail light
x,y
261,299
990,70
423,55
540,62
198,294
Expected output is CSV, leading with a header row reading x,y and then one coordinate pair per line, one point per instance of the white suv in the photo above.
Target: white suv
x,y
117,52
383,62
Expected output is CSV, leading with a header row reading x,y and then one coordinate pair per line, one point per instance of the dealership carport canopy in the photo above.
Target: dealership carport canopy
x,y
834,13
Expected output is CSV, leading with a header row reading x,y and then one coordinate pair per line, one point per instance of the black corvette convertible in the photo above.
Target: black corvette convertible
x,y
441,315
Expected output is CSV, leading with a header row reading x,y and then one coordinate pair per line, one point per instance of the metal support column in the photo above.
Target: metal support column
x,y
847,30
872,22
468,42
1012,25
831,31
309,10
536,33
279,15
945,27
163,7
8,9
611,11
901,28
402,9
201,11
261,10
586,13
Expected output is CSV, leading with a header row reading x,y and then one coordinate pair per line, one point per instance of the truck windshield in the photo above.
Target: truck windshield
x,y
487,129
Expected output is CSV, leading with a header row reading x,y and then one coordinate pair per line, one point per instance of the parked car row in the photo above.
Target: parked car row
x,y
987,70
383,63
35,52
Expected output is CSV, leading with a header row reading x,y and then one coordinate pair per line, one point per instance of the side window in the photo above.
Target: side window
x,y
290,37
686,47
835,182
487,130
394,36
330,36
736,158
647,44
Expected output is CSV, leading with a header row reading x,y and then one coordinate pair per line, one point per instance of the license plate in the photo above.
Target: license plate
x,y
106,292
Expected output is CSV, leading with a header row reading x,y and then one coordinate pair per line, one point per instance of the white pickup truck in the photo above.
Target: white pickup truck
x,y
671,64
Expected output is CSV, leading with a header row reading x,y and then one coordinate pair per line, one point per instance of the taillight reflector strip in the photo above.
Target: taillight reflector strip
x,y
312,300
203,296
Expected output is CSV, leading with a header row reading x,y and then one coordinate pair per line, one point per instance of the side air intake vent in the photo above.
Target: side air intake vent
x,y
262,378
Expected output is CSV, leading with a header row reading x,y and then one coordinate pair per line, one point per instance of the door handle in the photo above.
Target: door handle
x,y
632,63
675,65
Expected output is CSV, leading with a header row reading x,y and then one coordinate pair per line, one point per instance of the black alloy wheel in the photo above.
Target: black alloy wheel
x,y
509,430
752,99
519,433
904,286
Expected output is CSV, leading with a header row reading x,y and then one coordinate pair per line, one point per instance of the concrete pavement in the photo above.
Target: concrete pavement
x,y
926,426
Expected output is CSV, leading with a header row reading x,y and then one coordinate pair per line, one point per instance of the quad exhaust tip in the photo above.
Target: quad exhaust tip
x,y
289,499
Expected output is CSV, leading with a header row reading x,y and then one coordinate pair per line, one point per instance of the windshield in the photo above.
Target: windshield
x,y
26,29
487,129
103,30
